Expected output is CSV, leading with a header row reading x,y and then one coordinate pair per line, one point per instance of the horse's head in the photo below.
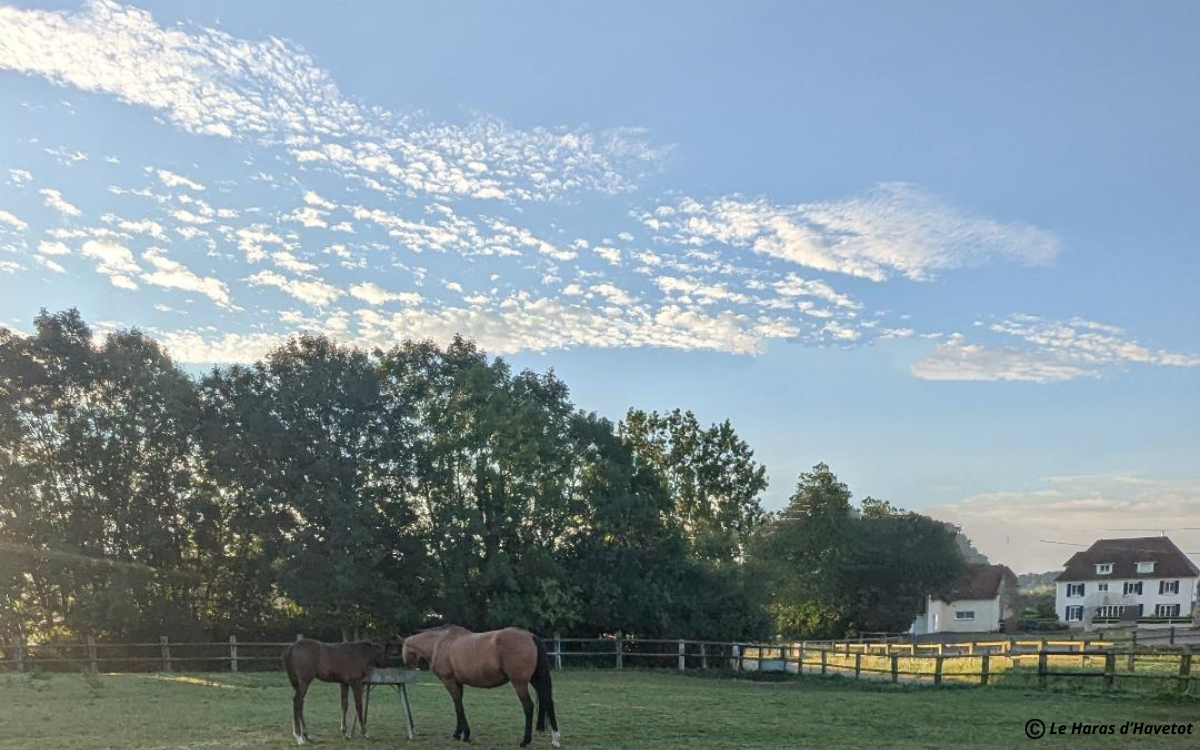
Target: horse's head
x,y
409,653
383,653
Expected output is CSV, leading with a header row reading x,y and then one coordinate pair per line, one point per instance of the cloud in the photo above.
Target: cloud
x,y
174,275
114,261
212,83
20,176
1010,526
1051,351
315,292
12,221
170,179
373,294
896,229
55,200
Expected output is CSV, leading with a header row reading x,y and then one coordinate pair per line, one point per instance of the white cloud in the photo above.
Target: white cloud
x,y
49,264
12,221
894,229
212,83
1052,351
170,179
313,199
290,262
53,248
373,294
315,292
174,275
20,176
1010,526
114,261
55,200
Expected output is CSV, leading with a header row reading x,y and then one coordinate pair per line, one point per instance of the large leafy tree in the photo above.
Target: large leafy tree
x,y
710,475
103,508
316,482
492,473
834,569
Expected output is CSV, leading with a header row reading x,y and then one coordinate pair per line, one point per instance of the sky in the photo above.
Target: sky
x,y
949,249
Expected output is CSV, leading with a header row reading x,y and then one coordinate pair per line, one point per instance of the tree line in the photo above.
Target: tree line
x,y
335,491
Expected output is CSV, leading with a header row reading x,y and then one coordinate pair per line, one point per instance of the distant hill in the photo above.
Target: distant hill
x,y
1037,583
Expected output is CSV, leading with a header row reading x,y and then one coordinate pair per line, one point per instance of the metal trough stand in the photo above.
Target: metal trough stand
x,y
397,677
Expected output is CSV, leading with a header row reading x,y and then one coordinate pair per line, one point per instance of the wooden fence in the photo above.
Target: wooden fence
x,y
1021,660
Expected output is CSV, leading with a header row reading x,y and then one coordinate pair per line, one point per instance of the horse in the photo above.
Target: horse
x,y
458,658
344,663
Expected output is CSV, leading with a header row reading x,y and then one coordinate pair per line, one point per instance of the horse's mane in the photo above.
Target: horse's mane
x,y
443,626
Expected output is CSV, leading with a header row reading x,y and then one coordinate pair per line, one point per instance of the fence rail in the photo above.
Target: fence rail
x,y
981,662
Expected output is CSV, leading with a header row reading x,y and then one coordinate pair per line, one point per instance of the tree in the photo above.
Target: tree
x,y
834,569
104,512
316,488
709,473
492,472
801,553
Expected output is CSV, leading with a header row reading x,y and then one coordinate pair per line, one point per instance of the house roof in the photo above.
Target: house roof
x,y
982,582
1125,554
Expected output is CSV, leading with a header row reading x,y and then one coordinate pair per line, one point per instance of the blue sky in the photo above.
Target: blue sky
x,y
949,249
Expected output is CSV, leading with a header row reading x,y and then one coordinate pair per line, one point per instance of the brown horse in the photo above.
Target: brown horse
x,y
459,657
343,663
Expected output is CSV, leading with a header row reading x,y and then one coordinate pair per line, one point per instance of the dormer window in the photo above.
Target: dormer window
x,y
1145,567
1103,569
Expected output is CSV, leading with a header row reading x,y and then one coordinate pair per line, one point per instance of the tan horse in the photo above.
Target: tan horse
x,y
459,657
344,663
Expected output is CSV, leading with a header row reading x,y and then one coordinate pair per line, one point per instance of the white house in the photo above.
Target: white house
x,y
1146,581
977,603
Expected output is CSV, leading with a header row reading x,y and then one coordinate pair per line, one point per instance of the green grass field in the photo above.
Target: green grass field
x,y
597,709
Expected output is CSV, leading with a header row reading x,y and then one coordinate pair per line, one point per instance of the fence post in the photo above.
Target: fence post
x,y
91,652
1172,635
937,669
803,649
1110,670
682,655
1185,670
735,659
1041,669
983,674
857,665
20,644
703,657
1132,659
620,653
166,652
558,650
824,661
895,667
233,659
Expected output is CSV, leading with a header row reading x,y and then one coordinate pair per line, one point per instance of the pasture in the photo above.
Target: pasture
x,y
597,709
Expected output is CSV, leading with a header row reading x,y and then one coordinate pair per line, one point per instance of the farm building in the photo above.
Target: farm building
x,y
978,603
1146,580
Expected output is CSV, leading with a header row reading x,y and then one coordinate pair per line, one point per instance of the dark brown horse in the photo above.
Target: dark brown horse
x,y
344,663
459,658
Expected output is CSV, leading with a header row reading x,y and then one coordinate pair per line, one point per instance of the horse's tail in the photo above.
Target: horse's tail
x,y
542,686
289,666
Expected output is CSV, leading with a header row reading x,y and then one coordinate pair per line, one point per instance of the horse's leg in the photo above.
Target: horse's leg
x,y
461,732
357,686
522,689
298,713
345,706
